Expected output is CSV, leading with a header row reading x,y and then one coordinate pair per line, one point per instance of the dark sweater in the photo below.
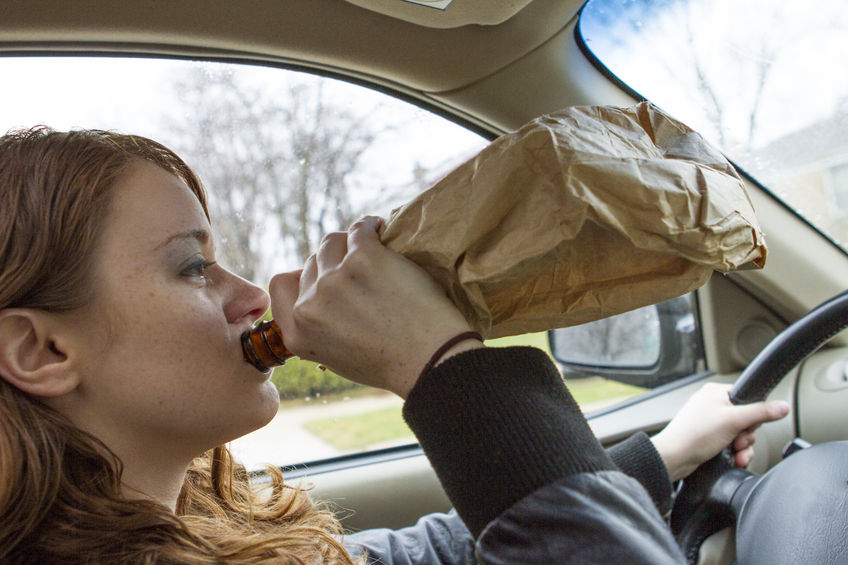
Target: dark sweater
x,y
524,472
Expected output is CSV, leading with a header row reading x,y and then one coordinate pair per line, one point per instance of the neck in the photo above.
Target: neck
x,y
159,482
156,472
153,467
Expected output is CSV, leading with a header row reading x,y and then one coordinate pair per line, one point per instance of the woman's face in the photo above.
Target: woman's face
x,y
161,364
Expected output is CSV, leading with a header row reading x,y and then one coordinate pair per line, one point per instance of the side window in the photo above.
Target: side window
x,y
286,158
630,353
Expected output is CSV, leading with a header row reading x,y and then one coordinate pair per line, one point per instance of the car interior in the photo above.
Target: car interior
x,y
489,66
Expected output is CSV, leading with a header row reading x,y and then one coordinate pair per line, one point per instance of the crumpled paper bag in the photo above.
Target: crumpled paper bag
x,y
579,215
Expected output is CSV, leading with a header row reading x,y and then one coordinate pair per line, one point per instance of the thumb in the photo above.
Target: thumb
x,y
284,289
752,415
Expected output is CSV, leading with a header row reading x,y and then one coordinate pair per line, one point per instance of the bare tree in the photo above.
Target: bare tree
x,y
277,162
724,57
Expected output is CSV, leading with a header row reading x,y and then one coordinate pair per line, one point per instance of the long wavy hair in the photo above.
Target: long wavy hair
x,y
60,487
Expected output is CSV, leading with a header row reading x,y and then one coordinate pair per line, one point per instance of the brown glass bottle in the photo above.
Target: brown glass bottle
x,y
263,346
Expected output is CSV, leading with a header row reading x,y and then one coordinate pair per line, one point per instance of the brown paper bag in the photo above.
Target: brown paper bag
x,y
579,215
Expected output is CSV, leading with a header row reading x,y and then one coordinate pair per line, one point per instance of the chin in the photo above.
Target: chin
x,y
268,406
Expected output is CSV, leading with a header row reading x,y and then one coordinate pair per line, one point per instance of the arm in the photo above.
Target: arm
x,y
502,432
637,457
522,467
443,538
705,424
586,506
436,539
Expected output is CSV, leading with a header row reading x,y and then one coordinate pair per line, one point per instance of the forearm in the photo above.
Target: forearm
x,y
498,424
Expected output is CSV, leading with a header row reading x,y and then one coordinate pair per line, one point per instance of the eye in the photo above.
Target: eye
x,y
197,269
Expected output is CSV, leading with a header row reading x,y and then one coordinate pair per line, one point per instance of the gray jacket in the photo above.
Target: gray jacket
x,y
529,481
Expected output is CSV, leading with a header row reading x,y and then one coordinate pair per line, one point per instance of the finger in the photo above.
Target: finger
x,y
744,440
776,409
742,458
284,290
332,251
363,232
309,272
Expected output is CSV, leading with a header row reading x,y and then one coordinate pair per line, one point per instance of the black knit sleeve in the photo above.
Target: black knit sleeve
x,y
637,457
498,424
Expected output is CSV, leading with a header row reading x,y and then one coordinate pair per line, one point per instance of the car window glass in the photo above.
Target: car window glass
x,y
286,157
760,79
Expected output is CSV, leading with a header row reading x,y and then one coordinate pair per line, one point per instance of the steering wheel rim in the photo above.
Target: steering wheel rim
x,y
710,498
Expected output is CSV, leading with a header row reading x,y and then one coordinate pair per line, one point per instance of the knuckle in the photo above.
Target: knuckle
x,y
276,283
332,238
357,263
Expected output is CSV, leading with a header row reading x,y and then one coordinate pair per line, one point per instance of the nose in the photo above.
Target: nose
x,y
245,300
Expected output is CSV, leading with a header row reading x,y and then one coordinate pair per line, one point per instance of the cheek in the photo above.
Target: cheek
x,y
161,328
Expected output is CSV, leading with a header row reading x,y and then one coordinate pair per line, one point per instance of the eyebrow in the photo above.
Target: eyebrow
x,y
199,234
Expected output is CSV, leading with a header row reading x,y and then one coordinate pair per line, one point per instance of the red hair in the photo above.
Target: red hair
x,y
60,487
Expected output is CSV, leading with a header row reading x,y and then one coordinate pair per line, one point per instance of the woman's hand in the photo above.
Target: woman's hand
x,y
707,423
365,311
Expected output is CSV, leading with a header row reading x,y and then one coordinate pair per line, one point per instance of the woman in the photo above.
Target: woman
x,y
120,362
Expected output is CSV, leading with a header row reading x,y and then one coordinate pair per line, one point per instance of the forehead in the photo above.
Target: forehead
x,y
149,204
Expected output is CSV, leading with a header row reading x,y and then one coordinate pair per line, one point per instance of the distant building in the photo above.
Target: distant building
x,y
808,169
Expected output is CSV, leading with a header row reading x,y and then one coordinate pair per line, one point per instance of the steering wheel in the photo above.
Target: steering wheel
x,y
794,513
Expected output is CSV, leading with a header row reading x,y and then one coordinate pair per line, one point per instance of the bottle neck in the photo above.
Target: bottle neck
x,y
263,346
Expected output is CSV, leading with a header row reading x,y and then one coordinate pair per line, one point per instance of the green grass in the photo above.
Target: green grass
x,y
539,340
358,431
587,391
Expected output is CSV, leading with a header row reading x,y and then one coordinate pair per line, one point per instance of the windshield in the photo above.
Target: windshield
x,y
763,80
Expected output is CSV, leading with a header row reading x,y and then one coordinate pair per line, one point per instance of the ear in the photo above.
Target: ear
x,y
30,357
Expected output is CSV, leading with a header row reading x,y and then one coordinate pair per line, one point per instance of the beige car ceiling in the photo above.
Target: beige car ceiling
x,y
326,34
446,14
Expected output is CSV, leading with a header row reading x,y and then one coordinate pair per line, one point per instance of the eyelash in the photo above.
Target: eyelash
x,y
198,269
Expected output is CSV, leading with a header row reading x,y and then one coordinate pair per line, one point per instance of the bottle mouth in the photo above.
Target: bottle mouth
x,y
263,346
250,353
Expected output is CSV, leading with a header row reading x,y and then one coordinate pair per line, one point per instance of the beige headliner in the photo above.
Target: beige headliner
x,y
328,34
434,13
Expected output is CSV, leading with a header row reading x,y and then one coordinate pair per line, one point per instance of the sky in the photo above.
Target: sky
x,y
803,45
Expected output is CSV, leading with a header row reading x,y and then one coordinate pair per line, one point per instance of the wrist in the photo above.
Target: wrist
x,y
451,347
459,343
667,454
